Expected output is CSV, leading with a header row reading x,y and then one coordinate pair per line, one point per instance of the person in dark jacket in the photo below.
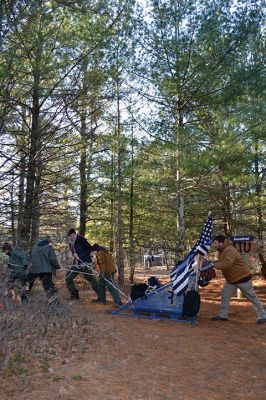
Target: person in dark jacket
x,y
18,263
44,264
107,272
82,264
237,275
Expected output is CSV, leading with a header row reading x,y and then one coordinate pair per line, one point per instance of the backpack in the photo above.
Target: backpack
x,y
138,291
153,282
206,276
191,305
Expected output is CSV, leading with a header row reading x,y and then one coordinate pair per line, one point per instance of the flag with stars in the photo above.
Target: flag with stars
x,y
180,274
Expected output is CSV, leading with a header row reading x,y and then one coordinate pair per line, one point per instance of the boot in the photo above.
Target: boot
x,y
74,295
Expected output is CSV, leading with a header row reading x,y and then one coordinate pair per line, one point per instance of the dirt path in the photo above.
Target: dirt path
x,y
91,354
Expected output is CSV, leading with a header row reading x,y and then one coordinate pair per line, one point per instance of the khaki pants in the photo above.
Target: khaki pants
x,y
248,290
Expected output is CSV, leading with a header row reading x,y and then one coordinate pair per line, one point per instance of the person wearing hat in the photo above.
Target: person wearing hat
x,y
107,269
18,263
237,275
82,264
44,264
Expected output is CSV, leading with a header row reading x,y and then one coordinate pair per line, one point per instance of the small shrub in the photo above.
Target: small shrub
x,y
17,358
77,378
45,366
57,378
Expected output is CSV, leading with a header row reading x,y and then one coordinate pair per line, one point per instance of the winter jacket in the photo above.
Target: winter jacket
x,y
43,258
82,248
105,261
231,264
18,261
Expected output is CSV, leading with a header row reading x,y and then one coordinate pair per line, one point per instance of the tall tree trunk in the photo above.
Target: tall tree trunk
x,y
131,215
31,171
112,206
83,150
180,224
120,258
259,193
226,208
22,175
36,212
12,209
21,196
32,193
83,180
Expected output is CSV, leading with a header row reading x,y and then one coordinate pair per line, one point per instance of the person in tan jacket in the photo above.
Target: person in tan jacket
x,y
237,275
107,271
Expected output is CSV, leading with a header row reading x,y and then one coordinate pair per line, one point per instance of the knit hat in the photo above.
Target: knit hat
x,y
95,247
6,247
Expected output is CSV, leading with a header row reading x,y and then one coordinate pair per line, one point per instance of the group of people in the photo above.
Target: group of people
x,y
44,264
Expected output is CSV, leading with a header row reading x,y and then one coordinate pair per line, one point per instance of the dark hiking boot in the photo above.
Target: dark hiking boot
x,y
218,318
24,298
74,296
261,321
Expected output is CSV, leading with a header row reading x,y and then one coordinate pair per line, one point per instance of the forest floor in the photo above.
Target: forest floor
x,y
77,350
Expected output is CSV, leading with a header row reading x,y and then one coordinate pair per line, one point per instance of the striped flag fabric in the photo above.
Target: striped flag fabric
x,y
180,274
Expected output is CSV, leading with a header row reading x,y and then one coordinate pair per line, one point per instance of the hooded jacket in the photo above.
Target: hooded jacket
x,y
44,259
231,264
105,261
18,262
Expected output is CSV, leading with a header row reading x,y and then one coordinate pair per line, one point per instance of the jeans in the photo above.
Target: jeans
x,y
103,283
87,274
248,290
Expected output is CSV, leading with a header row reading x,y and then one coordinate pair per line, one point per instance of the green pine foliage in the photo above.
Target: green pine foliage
x,y
156,112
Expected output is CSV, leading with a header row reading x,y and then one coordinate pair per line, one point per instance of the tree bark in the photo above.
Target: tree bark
x,y
180,223
112,206
120,258
83,151
259,194
31,193
226,208
22,176
131,216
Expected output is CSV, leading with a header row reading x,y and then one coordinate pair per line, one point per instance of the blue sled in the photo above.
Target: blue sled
x,y
160,304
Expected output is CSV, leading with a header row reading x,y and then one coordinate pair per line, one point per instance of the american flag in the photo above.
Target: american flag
x,y
180,274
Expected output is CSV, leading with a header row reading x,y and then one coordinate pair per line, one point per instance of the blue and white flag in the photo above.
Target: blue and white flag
x,y
180,274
